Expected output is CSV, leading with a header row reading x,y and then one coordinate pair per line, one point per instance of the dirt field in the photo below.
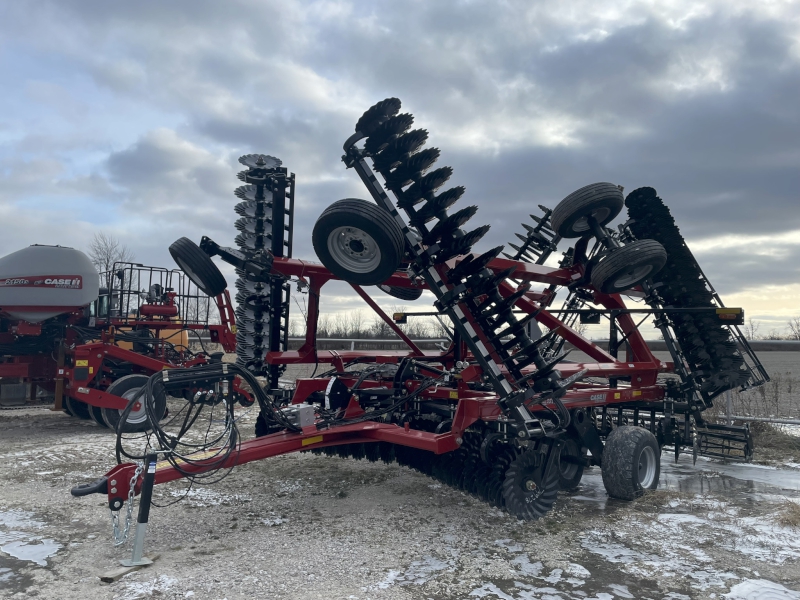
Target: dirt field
x,y
305,526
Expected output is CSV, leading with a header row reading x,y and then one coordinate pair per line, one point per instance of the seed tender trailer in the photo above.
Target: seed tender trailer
x,y
94,347
502,413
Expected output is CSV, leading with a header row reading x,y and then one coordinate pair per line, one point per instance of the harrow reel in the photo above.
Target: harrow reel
x,y
714,353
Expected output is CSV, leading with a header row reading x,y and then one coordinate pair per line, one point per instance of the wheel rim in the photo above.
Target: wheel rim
x,y
138,413
77,408
600,215
96,415
647,467
632,276
354,249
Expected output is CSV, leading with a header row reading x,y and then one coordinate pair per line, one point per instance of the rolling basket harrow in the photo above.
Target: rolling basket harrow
x,y
502,413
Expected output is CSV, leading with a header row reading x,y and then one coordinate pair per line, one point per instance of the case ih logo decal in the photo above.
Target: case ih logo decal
x,y
72,282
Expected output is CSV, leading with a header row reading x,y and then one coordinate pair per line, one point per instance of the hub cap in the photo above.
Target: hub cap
x,y
138,413
647,467
600,215
354,249
632,276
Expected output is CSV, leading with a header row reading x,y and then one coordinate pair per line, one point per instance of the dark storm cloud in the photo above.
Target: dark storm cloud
x,y
527,101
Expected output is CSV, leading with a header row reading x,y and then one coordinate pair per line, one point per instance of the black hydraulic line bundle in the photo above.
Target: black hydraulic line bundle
x,y
198,459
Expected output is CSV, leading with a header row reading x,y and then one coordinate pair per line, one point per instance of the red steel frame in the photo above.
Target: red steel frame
x,y
640,365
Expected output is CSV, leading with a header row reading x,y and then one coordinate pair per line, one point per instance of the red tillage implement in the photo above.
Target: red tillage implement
x,y
500,413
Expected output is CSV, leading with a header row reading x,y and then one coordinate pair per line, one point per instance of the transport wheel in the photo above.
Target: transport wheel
x,y
96,415
631,462
408,294
603,201
65,407
627,267
527,496
127,387
77,408
570,470
358,241
198,266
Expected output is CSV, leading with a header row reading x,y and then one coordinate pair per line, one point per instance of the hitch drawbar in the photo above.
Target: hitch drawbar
x,y
98,486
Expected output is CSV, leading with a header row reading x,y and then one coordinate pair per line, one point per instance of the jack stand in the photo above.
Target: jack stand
x,y
137,560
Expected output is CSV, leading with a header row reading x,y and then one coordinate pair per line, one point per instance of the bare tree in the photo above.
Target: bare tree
x,y
105,250
794,328
380,329
751,329
774,334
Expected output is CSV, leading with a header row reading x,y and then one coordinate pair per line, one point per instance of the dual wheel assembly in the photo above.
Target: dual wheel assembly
x,y
584,213
631,464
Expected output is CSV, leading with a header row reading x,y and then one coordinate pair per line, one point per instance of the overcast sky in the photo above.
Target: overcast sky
x,y
128,118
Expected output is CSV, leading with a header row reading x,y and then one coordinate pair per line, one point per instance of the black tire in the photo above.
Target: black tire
x,y
603,201
631,462
96,415
358,241
408,294
627,267
525,492
570,466
127,387
65,407
198,266
77,408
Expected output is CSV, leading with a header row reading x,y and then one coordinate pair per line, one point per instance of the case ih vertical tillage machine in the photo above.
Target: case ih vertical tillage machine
x,y
501,413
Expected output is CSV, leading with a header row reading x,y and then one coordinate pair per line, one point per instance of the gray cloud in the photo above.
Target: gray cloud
x,y
527,101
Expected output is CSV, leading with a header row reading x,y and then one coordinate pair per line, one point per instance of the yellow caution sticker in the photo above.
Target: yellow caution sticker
x,y
91,370
312,440
617,395
453,395
81,363
637,393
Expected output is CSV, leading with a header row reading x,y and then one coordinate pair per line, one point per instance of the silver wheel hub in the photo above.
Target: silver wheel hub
x,y
138,413
354,249
647,467
632,276
599,214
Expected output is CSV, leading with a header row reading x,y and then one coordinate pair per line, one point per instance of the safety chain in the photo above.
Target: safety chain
x,y
121,538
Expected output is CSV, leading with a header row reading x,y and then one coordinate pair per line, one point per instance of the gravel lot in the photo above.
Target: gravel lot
x,y
305,526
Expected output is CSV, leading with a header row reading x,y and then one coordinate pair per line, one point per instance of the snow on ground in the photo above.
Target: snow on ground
x,y
304,526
